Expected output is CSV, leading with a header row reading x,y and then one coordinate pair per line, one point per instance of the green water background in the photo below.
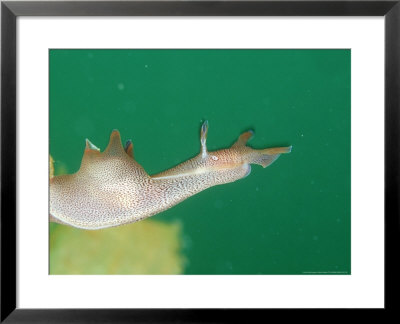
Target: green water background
x,y
290,218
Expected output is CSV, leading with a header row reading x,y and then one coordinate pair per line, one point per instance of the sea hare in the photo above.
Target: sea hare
x,y
112,189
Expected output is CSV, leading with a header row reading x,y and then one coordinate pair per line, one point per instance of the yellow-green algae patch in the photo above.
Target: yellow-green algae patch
x,y
147,247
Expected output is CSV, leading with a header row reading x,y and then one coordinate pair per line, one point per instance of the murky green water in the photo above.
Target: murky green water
x,y
290,218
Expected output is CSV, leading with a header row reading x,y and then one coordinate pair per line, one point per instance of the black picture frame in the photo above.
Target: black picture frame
x,y
10,10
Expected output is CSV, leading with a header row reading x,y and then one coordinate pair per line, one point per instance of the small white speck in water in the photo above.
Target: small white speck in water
x,y
121,86
146,66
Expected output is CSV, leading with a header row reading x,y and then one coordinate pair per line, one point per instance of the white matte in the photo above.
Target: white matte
x,y
363,288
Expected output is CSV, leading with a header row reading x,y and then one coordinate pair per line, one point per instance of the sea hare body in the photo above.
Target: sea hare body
x,y
112,189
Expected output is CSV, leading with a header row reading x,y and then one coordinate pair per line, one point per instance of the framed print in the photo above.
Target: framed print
x,y
198,161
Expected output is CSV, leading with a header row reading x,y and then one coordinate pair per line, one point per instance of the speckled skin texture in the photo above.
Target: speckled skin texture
x,y
112,189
